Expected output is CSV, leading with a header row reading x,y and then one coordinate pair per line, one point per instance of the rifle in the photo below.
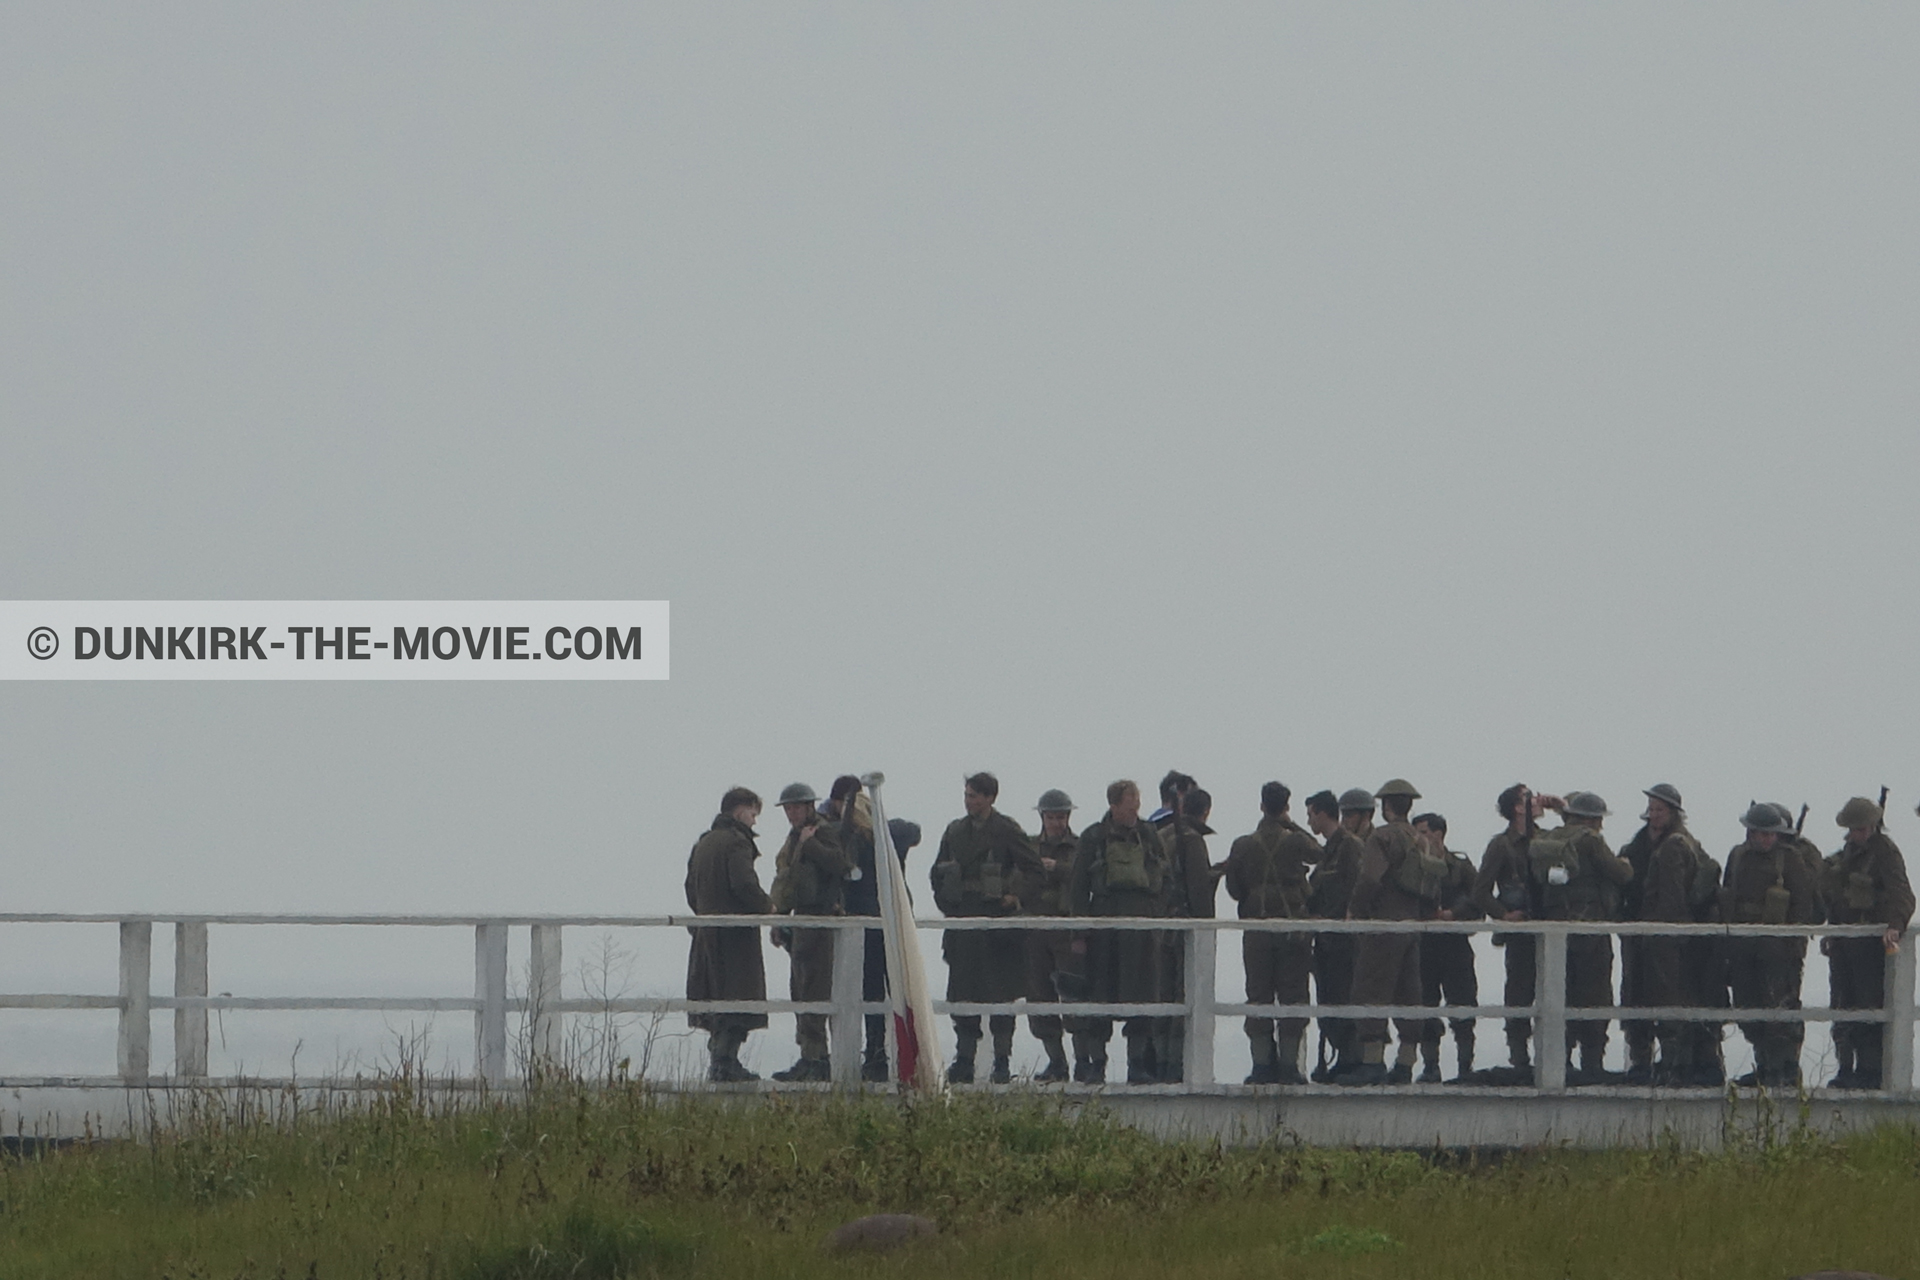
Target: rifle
x,y
1881,825
1801,824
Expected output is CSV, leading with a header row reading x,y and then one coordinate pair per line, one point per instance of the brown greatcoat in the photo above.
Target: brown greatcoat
x,y
726,963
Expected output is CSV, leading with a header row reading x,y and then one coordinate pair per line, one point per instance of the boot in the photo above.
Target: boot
x,y
805,1071
1265,1069
723,1060
1055,1072
1429,1063
1370,1070
1517,1055
873,1066
1286,1061
961,1072
1463,1047
1002,1072
1089,1059
1140,1061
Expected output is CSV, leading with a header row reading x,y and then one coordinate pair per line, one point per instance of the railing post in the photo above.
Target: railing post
x,y
1897,1044
1202,1023
849,971
190,979
490,989
543,995
1550,1012
136,994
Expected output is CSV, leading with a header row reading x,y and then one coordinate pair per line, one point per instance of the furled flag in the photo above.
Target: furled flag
x,y
916,1036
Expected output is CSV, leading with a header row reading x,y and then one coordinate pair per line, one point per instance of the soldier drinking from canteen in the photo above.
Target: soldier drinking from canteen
x,y
1767,882
1042,888
1866,883
1328,892
975,874
1266,873
1671,882
810,876
1446,959
1120,869
726,963
1504,891
1400,879
1577,877
1189,896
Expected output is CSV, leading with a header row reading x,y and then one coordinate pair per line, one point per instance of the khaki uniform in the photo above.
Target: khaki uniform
x,y
1190,894
1670,971
1329,891
1865,884
1120,871
1446,965
810,876
1386,966
1809,855
1266,874
726,963
978,866
1768,886
1047,951
1592,893
1504,884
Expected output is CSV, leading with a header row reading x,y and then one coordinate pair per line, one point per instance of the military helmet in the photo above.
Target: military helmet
x,y
1761,816
798,793
1585,804
1858,812
1666,793
1054,800
1786,816
1356,800
1398,787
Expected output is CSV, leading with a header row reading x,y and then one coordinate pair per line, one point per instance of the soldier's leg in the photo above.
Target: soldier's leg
x,y
964,973
1589,985
811,980
1742,971
1708,985
1866,964
1638,1031
1333,959
1293,963
1260,958
1431,972
1170,1034
873,986
1461,987
1039,950
1406,990
1796,1032
1521,950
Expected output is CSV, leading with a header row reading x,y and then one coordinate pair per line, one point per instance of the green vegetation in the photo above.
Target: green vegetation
x,y
619,1182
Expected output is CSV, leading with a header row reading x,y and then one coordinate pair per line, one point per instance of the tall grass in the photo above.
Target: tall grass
x,y
410,1181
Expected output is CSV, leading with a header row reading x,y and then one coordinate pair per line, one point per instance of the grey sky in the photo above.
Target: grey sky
x,y
1320,392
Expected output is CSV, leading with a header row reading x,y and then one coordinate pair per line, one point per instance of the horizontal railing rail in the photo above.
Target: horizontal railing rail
x,y
491,1004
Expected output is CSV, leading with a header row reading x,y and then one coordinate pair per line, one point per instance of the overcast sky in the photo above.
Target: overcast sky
x,y
1319,392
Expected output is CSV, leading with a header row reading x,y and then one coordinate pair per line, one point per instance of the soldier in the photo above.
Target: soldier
x,y
1266,873
1446,959
1173,786
1041,888
1399,880
1120,869
851,815
810,876
1577,877
1866,883
1767,882
1190,896
975,874
1504,891
1796,948
1328,893
1655,970
726,963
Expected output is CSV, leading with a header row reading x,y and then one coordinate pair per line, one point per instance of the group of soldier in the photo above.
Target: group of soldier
x,y
1343,865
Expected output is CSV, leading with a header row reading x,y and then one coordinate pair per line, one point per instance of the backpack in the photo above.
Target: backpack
x,y
1422,874
1555,850
1704,892
1126,864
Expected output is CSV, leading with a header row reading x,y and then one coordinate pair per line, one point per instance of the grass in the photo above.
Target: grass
x,y
619,1182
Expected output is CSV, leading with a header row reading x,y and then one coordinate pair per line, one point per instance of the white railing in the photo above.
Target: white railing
x,y
491,1005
